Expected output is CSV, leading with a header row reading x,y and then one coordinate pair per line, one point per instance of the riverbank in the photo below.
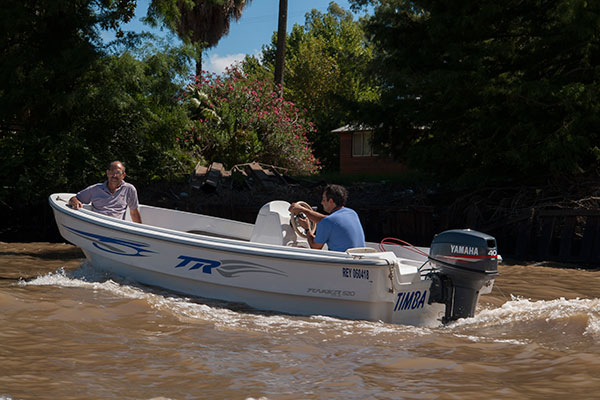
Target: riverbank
x,y
558,221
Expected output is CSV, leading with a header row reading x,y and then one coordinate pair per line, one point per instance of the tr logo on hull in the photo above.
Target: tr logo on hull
x,y
196,263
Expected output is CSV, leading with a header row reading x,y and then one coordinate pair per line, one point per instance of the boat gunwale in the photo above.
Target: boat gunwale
x,y
238,246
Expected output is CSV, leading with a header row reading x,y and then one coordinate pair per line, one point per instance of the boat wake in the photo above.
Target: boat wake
x,y
555,322
223,315
513,322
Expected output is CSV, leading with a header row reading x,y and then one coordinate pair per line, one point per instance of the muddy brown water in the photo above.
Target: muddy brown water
x,y
68,332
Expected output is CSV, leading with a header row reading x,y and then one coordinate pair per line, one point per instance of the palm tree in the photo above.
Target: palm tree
x,y
200,22
281,38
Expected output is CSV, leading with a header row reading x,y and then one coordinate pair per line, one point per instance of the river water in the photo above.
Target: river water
x,y
67,332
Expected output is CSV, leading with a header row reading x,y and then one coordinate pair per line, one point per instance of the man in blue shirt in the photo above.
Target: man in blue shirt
x,y
341,229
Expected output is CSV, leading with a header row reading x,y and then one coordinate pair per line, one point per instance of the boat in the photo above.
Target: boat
x,y
269,266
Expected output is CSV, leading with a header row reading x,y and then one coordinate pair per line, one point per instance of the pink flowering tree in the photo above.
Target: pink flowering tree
x,y
235,120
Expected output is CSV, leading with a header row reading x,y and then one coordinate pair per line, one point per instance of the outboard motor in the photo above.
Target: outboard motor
x,y
467,261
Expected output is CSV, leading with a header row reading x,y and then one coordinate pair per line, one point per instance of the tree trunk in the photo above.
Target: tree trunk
x,y
199,64
281,36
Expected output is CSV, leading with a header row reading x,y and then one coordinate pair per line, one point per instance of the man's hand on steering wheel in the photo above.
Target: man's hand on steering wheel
x,y
299,219
303,220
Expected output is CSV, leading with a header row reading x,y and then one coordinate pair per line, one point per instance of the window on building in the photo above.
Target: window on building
x,y
361,144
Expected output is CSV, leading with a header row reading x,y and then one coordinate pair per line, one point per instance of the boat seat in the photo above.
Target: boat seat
x,y
272,224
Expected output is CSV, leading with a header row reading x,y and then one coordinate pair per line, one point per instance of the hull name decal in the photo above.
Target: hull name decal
x,y
197,263
226,268
410,300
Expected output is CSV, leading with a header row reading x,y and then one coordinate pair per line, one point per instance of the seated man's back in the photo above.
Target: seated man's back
x,y
341,230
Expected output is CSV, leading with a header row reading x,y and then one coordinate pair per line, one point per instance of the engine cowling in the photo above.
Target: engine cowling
x,y
466,261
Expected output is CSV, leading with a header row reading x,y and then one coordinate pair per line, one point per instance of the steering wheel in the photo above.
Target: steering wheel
x,y
312,226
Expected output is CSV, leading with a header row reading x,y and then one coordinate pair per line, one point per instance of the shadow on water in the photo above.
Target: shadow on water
x,y
29,260
67,253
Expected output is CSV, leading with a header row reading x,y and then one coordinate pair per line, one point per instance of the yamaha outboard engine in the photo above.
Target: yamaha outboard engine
x,y
467,261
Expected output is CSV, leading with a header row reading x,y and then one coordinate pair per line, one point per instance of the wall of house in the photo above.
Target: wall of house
x,y
364,165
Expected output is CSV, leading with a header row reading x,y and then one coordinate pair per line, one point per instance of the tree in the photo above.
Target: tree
x,y
478,89
122,108
46,46
327,73
281,38
199,22
66,108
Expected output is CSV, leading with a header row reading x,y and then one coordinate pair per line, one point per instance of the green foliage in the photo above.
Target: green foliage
x,y
47,48
130,112
480,89
236,120
327,73
119,107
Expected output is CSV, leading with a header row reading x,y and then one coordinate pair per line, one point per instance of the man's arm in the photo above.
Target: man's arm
x,y
310,237
135,215
311,241
314,216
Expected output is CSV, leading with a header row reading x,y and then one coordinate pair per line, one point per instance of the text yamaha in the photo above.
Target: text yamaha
x,y
465,250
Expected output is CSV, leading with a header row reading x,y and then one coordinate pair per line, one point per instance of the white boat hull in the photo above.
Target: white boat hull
x,y
375,286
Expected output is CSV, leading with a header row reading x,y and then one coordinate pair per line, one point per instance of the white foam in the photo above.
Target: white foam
x,y
217,313
483,339
214,312
520,309
84,276
523,311
593,327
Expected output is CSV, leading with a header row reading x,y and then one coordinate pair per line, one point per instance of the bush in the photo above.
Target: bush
x,y
233,120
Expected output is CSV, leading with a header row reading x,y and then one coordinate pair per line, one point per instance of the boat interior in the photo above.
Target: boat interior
x,y
272,225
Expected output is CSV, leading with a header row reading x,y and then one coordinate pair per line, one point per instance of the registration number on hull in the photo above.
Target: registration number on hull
x,y
356,273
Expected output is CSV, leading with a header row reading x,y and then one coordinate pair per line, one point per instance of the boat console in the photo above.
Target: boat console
x,y
272,225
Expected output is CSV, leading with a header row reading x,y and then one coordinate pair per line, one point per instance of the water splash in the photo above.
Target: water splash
x,y
550,323
522,310
223,315
511,323
593,328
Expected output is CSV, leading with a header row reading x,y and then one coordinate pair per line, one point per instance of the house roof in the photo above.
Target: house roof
x,y
352,128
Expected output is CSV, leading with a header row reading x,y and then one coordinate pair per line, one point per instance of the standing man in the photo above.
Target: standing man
x,y
341,229
111,197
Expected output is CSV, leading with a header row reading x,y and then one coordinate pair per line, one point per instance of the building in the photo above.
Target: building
x,y
357,156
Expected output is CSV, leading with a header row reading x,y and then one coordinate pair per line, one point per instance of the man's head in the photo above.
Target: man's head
x,y
333,196
115,173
